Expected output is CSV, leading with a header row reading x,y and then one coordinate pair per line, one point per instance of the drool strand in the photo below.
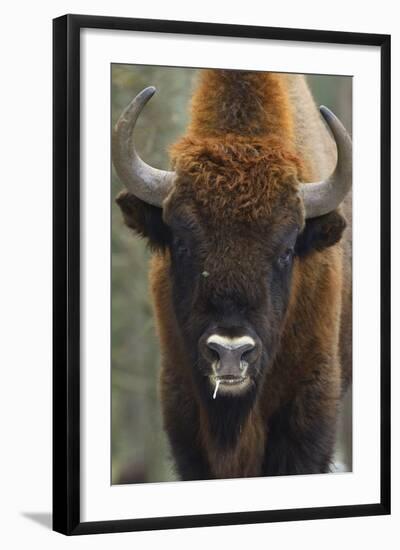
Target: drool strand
x,y
216,388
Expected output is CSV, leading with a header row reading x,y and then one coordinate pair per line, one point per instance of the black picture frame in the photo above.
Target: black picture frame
x,y
66,272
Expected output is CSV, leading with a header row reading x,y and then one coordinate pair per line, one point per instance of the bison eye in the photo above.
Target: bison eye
x,y
286,257
180,248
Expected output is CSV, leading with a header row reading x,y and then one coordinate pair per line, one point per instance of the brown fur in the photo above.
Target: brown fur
x,y
238,173
244,103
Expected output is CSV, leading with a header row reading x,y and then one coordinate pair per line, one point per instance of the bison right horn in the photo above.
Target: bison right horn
x,y
145,182
322,197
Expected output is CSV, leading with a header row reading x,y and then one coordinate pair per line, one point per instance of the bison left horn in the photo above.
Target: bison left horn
x,y
322,197
147,183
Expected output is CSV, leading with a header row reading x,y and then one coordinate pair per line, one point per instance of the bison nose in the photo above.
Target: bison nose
x,y
232,356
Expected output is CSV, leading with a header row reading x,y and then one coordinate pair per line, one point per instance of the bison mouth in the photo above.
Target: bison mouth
x,y
230,379
229,384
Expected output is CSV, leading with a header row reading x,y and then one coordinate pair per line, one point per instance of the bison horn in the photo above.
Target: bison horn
x,y
145,182
322,197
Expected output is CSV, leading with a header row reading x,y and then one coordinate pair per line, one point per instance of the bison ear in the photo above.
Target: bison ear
x,y
320,233
145,219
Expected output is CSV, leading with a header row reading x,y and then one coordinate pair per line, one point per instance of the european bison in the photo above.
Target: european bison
x,y
250,274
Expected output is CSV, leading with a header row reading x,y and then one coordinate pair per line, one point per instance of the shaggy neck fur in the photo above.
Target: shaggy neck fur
x,y
244,103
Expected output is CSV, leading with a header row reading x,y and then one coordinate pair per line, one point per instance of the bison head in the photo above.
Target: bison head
x,y
234,222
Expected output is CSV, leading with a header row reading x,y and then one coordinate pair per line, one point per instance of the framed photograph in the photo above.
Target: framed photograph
x,y
221,274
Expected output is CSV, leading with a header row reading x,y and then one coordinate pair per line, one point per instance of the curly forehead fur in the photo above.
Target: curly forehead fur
x,y
236,161
236,178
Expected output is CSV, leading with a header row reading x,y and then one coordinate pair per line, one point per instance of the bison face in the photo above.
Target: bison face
x,y
233,236
231,281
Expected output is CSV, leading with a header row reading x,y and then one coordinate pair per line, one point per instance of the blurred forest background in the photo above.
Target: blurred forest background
x,y
139,446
